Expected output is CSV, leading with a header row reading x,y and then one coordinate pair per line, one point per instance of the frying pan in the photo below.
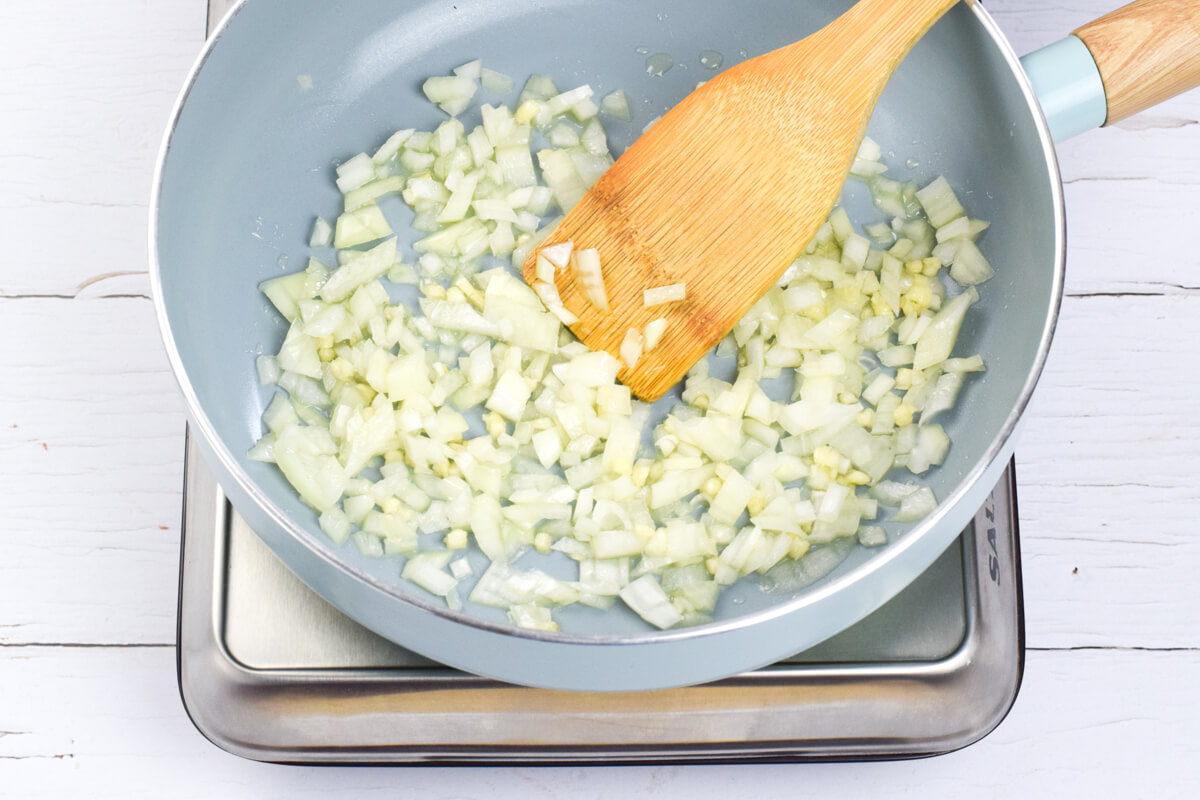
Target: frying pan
x,y
247,163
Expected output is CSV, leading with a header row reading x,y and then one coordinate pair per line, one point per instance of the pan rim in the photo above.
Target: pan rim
x,y
229,464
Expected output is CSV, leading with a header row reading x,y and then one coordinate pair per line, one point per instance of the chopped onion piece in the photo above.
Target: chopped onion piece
x,y
370,192
562,176
616,104
505,586
532,617
451,93
862,168
517,164
360,270
939,202
594,139
972,364
654,332
970,267
647,598
322,233
460,201
892,493
937,341
305,455
392,146
872,536
563,102
916,505
869,149
493,210
664,294
930,449
470,70
548,293
564,316
631,347
360,226
269,371
558,254
587,268
731,500
510,395
335,524
563,135
425,570
544,269
355,172
495,82
585,110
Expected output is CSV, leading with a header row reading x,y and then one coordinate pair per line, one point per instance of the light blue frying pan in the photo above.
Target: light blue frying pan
x,y
247,163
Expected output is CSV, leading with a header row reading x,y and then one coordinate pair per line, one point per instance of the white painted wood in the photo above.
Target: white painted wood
x,y
107,723
1108,464
1133,235
87,88
91,444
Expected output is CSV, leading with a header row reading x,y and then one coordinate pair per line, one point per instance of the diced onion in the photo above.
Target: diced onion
x,y
452,93
495,82
425,570
559,255
631,347
322,233
647,598
477,421
355,172
654,332
664,294
587,269
616,105
939,202
470,70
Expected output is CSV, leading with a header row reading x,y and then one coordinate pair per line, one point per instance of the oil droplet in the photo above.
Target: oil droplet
x,y
641,51
737,601
742,54
282,261
659,64
711,59
912,163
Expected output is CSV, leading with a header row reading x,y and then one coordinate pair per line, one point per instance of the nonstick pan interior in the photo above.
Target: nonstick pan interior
x,y
250,160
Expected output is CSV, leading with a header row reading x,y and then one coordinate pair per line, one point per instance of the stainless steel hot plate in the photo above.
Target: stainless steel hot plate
x,y
269,671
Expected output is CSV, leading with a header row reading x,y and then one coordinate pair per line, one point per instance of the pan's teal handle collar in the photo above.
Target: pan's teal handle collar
x,y
1068,86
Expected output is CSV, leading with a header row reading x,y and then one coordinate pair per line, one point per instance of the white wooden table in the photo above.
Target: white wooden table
x,y
91,447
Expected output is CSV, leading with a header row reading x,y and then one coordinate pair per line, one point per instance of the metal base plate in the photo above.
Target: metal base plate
x,y
269,671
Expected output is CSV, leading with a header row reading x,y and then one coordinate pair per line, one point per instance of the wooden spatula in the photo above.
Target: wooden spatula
x,y
724,192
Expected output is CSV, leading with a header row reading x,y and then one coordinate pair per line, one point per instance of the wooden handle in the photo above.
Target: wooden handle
x,y
1147,52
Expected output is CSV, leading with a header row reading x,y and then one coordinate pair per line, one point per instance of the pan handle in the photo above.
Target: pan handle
x,y
1115,66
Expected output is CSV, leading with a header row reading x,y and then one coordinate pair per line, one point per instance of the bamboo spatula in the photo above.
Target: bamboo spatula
x,y
724,191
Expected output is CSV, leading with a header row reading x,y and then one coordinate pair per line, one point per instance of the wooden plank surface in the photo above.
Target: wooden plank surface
x,y
91,437
91,474
86,91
